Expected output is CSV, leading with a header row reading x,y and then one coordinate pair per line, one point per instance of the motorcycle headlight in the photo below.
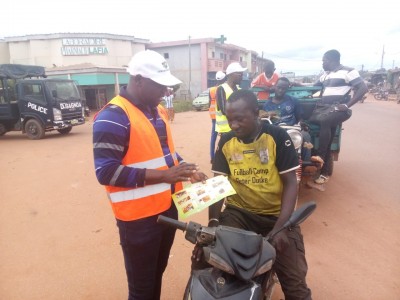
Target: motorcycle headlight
x,y
57,114
219,263
264,268
296,137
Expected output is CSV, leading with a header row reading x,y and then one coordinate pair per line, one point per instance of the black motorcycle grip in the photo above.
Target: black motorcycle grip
x,y
172,222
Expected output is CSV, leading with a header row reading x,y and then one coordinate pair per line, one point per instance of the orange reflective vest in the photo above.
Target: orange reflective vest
x,y
213,100
136,203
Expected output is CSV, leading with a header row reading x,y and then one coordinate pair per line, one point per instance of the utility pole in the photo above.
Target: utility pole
x,y
383,54
190,70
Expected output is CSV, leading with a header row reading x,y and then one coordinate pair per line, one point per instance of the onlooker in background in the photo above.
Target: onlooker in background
x,y
135,160
283,108
337,83
397,88
169,105
219,76
266,80
234,74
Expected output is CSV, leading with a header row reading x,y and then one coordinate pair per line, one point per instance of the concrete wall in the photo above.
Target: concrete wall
x,y
49,53
178,62
4,53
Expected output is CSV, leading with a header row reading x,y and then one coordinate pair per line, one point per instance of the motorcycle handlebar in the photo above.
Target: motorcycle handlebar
x,y
172,222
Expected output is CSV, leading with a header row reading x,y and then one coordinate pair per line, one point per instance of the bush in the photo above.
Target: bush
x,y
182,106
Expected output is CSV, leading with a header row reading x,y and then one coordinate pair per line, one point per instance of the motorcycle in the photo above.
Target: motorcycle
x,y
381,94
308,168
241,262
296,136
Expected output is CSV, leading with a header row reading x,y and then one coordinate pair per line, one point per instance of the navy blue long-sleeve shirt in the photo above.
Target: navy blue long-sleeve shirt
x,y
111,138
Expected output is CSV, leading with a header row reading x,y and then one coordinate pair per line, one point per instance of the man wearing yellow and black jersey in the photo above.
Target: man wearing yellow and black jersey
x,y
260,162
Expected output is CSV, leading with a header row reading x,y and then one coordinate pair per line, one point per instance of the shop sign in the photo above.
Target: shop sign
x,y
83,46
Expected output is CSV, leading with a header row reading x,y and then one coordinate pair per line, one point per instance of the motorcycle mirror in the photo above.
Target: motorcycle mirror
x,y
300,214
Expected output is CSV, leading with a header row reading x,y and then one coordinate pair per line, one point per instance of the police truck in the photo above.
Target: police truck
x,y
32,103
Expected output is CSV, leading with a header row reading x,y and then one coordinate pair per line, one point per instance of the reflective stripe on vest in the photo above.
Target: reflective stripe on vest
x,y
221,123
213,100
136,203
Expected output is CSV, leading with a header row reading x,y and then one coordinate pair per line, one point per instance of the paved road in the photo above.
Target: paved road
x,y
58,238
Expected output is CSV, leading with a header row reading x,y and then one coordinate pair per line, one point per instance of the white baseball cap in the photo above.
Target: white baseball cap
x,y
234,67
220,75
152,65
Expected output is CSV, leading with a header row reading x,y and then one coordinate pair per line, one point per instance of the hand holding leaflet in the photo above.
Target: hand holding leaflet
x,y
198,196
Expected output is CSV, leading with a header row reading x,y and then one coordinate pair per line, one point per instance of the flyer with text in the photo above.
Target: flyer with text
x,y
197,196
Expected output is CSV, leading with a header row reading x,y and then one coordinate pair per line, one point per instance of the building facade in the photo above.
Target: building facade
x,y
98,61
196,61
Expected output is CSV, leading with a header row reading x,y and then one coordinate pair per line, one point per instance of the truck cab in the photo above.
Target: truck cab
x,y
34,104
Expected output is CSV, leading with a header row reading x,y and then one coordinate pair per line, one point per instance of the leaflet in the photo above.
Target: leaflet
x,y
198,196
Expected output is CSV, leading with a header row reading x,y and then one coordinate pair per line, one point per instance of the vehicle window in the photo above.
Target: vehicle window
x,y
63,90
11,94
33,91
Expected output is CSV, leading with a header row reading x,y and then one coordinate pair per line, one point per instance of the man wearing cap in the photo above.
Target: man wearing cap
x,y
234,74
219,76
135,160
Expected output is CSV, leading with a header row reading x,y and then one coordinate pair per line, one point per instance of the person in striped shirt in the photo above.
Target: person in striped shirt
x,y
337,83
135,160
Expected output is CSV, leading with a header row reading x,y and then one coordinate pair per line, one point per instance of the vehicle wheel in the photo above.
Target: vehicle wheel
x,y
65,130
34,129
3,129
378,96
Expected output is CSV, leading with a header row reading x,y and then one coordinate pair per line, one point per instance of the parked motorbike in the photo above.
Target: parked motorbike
x,y
294,132
241,261
381,94
308,168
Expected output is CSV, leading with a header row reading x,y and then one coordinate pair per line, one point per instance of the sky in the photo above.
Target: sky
x,y
294,34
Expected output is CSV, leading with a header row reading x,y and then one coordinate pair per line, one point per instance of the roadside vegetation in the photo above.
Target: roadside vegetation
x,y
181,105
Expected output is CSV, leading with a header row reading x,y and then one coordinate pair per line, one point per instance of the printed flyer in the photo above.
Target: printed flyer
x,y
197,196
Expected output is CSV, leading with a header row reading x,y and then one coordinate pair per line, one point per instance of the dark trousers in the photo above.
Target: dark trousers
x,y
290,265
328,120
214,135
146,246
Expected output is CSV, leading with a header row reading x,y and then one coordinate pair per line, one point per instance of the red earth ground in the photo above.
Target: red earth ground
x,y
58,238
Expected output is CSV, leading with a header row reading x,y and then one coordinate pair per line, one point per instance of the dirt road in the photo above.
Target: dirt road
x,y
58,238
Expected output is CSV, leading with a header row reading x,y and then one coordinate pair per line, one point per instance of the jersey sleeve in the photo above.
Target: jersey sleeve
x,y
286,155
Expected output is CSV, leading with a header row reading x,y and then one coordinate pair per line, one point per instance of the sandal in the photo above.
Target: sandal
x,y
321,179
317,159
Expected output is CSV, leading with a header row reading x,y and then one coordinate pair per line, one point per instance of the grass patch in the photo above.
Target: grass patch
x,y
181,105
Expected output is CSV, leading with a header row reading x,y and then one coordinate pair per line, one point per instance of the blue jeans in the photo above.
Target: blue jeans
x,y
214,135
146,246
